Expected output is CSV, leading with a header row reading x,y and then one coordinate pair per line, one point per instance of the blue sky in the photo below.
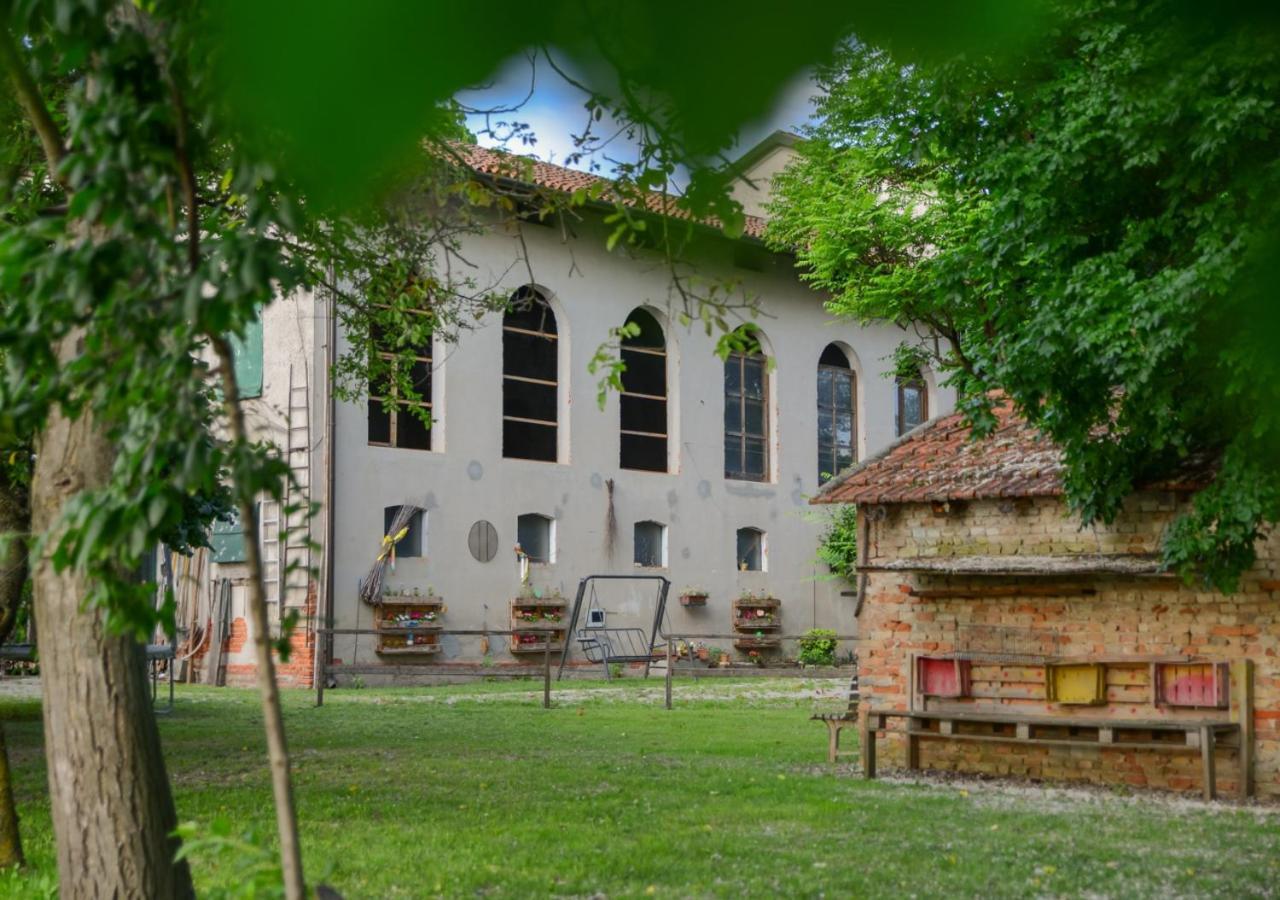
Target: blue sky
x,y
554,112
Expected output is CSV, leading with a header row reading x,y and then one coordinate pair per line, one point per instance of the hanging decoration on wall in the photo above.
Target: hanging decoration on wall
x,y
371,584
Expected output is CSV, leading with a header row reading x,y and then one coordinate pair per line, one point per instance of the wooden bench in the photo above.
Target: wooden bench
x,y
1201,736
835,722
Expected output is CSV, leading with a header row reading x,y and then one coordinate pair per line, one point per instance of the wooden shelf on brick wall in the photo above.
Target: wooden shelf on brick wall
x,y
408,625
758,620
539,623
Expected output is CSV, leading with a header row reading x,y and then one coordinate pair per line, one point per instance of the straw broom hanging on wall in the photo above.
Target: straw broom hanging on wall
x,y
371,585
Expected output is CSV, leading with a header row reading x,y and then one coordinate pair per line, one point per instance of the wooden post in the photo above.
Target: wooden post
x,y
670,664
546,673
833,741
1243,672
913,746
1207,758
320,667
869,749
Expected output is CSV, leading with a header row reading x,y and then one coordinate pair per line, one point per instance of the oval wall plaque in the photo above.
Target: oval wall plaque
x,y
482,541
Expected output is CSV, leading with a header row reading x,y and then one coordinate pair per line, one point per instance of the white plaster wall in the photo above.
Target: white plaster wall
x,y
466,479
289,332
755,195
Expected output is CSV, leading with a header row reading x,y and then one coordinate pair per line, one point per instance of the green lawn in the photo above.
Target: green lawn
x,y
475,789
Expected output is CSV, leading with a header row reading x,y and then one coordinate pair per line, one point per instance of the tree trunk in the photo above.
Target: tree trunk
x,y
15,523
113,813
10,838
268,690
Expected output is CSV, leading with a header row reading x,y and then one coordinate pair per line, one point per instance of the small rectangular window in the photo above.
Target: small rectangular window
x,y
650,545
751,550
534,535
412,544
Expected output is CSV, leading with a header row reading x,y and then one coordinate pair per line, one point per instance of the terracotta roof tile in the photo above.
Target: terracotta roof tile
x,y
527,170
939,461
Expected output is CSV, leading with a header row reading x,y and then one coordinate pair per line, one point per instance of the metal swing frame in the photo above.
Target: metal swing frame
x,y
606,645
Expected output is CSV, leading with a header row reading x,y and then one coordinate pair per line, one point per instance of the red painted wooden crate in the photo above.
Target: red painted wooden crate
x,y
940,676
1193,684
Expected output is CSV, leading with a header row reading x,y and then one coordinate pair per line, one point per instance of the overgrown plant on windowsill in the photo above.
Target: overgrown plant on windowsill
x,y
838,547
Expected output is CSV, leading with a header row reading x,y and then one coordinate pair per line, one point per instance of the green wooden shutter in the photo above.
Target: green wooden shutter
x,y
247,353
227,541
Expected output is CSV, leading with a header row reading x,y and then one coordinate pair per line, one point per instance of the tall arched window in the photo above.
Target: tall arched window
x,y
644,395
913,403
836,422
530,377
746,412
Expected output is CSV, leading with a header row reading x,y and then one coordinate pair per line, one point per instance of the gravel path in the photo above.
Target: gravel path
x,y
20,687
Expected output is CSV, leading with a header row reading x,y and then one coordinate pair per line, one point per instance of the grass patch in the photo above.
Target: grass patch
x,y
475,789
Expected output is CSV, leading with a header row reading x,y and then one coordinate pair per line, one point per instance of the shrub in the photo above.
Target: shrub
x,y
818,647
839,545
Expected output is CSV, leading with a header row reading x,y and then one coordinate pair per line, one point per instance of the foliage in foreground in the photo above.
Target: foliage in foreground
x,y
1091,227
410,793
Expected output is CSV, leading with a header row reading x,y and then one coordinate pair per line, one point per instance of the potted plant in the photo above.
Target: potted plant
x,y
724,659
702,651
818,647
756,658
693,596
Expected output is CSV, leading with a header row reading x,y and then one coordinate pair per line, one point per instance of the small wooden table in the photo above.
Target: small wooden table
x,y
1199,735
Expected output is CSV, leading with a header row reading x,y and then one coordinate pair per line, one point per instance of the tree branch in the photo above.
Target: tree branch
x,y
32,103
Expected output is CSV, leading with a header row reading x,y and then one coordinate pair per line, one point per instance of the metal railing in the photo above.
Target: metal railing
x,y
474,671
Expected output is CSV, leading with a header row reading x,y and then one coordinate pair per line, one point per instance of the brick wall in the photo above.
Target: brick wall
x,y
298,671
1125,622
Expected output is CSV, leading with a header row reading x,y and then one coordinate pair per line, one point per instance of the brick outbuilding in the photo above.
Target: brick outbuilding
x,y
1019,642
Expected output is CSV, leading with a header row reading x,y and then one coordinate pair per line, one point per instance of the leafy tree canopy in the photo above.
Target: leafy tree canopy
x,y
1090,226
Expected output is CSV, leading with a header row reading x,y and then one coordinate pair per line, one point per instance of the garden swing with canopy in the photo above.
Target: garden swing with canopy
x,y
606,645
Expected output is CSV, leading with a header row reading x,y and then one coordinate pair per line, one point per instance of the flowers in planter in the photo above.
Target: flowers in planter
x,y
693,596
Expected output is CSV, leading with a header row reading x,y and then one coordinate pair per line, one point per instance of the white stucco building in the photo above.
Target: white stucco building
x,y
700,472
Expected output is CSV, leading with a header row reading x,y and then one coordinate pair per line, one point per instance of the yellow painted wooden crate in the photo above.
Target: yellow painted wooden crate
x,y
1082,684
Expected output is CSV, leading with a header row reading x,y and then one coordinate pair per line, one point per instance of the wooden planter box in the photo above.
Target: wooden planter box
x,y
408,626
540,624
693,599
757,633
1076,684
757,643
1205,685
942,676
534,642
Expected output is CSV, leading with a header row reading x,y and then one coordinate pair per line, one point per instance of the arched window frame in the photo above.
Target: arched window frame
x,y
643,404
752,544
905,387
649,536
414,543
748,430
527,527
530,385
836,382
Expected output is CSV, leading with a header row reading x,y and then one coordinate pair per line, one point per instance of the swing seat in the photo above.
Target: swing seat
x,y
602,645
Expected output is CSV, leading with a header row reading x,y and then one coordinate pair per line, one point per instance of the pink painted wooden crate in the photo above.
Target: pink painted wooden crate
x,y
1193,684
940,676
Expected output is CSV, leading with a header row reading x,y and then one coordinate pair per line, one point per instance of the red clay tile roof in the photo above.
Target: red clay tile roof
x,y
939,461
527,170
